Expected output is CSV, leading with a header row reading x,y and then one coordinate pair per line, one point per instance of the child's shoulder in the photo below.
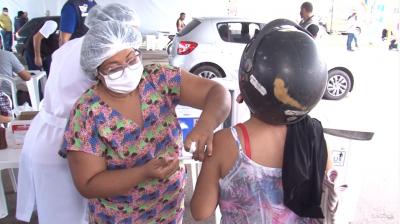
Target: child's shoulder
x,y
223,135
223,142
224,150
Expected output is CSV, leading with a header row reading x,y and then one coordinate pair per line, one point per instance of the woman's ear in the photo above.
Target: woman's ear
x,y
97,76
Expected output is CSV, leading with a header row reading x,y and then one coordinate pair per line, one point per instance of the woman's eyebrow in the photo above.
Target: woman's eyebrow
x,y
113,62
130,54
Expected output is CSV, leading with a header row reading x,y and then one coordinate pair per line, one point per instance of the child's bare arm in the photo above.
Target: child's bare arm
x,y
329,162
205,197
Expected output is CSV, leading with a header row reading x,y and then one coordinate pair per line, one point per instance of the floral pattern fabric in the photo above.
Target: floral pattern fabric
x,y
97,129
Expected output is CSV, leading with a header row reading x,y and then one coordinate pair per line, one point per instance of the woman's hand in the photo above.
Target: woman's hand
x,y
160,168
214,101
201,138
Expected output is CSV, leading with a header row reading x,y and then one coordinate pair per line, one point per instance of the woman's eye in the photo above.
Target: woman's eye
x,y
114,70
133,61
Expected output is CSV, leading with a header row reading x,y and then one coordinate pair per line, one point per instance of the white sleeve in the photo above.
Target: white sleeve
x,y
48,28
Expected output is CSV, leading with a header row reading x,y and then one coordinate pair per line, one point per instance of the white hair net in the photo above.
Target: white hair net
x,y
111,12
104,40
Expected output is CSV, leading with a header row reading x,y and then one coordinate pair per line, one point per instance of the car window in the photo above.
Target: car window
x,y
254,28
189,27
237,32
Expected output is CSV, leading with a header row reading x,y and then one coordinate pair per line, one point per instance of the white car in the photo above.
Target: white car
x,y
211,47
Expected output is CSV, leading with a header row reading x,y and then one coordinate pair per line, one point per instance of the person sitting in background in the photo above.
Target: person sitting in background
x,y
244,34
9,64
223,31
5,108
270,168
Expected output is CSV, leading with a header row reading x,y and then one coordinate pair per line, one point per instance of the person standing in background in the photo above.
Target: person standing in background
x,y
9,66
307,19
180,22
72,22
40,47
19,21
352,31
6,29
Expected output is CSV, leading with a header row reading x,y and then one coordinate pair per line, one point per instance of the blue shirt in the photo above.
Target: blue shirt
x,y
69,18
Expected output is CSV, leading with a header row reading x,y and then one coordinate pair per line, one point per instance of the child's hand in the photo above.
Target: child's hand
x,y
161,168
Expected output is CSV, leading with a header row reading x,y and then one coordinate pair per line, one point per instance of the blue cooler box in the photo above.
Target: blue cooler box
x,y
188,118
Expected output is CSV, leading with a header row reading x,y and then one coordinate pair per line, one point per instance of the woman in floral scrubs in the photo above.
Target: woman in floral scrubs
x,y
123,138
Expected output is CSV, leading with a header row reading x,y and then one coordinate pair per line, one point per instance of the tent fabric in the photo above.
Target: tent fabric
x,y
160,15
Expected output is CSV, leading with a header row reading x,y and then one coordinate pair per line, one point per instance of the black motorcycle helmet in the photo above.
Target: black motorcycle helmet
x,y
282,75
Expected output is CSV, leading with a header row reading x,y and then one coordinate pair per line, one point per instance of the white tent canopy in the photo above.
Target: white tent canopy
x,y
161,15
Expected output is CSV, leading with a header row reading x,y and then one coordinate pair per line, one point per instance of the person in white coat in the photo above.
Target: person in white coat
x,y
44,179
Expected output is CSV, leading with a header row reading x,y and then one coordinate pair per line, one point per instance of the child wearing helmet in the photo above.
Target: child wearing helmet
x,y
270,168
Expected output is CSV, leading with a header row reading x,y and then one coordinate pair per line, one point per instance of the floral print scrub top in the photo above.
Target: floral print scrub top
x,y
97,129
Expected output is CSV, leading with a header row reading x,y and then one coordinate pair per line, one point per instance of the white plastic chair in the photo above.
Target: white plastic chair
x,y
9,159
32,84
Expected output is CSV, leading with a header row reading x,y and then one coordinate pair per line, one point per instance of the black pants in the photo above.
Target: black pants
x,y
30,61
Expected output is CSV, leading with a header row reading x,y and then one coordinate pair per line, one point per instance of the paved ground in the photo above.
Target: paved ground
x,y
373,171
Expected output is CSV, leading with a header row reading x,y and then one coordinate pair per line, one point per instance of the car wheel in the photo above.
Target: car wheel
x,y
338,85
208,72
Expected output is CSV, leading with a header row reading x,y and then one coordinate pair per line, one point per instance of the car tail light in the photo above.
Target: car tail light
x,y
185,47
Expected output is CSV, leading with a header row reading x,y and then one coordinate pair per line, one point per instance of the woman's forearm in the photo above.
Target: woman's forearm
x,y
113,182
216,108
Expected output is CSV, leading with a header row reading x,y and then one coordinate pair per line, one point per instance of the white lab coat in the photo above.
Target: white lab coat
x,y
44,178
